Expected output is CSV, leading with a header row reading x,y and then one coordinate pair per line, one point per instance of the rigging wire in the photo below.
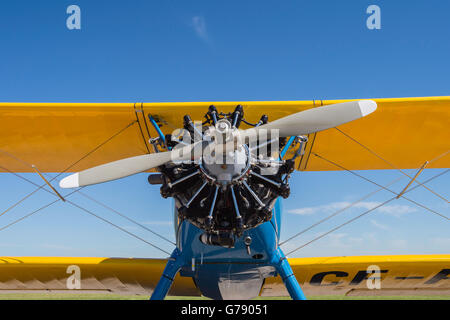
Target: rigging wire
x,y
361,215
22,200
74,204
392,165
124,216
354,203
118,227
85,210
70,166
339,211
37,210
379,185
96,201
96,148
340,226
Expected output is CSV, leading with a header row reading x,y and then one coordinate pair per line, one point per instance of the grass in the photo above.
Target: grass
x,y
101,296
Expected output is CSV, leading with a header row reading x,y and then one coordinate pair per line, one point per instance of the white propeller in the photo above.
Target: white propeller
x,y
318,119
126,167
305,122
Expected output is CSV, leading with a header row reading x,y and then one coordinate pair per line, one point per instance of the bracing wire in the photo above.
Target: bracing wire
x,y
68,168
361,215
84,209
36,211
339,211
377,184
72,203
392,165
96,201
359,200
124,216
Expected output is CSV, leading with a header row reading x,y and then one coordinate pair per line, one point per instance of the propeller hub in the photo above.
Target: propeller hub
x,y
223,131
226,168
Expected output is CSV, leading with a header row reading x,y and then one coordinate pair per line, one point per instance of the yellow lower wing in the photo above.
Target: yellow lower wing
x,y
401,274
333,275
119,275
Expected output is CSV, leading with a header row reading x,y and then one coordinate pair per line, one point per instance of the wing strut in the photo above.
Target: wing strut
x,y
365,197
79,207
395,167
412,180
387,189
363,214
48,183
69,194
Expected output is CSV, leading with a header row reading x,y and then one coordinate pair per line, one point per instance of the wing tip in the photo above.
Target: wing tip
x,y
367,107
71,181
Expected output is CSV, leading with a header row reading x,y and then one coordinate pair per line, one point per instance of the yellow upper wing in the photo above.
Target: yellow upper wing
x,y
406,132
57,136
54,136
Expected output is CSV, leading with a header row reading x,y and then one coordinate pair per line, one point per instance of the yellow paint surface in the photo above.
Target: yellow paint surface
x,y
132,275
52,136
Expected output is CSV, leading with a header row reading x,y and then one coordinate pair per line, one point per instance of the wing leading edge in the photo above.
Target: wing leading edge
x,y
54,136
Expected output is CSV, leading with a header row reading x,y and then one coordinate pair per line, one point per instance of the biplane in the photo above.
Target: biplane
x,y
226,165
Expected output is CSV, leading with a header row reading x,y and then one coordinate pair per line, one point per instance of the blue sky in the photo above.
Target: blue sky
x,y
215,50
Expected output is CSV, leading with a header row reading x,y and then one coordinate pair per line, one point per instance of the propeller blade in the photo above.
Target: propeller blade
x,y
318,119
126,167
305,122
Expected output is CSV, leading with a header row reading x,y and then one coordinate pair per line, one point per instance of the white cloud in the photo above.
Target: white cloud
x,y
397,210
199,25
379,225
441,242
305,211
55,246
394,210
399,244
337,240
322,208
158,223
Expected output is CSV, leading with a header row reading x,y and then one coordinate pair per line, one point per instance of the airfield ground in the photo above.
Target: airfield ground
x,y
90,296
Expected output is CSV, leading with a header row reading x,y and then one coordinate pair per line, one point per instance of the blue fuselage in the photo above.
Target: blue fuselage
x,y
230,273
